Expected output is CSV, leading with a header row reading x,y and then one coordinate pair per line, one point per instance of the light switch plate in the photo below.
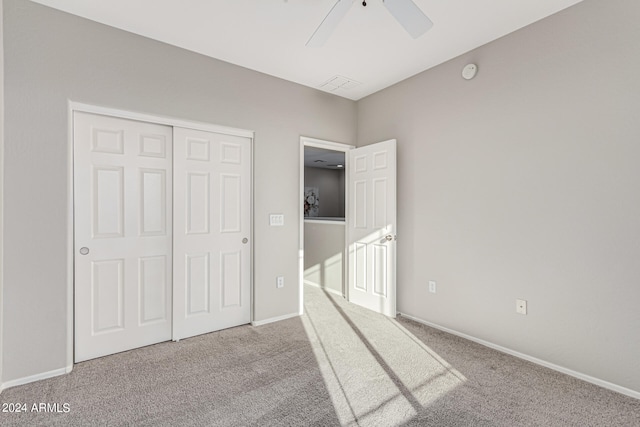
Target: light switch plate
x,y
276,220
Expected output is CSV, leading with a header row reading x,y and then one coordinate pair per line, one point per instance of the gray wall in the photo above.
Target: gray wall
x,y
51,57
330,184
525,183
324,255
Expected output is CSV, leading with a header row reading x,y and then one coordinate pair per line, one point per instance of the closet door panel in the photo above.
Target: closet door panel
x,y
212,222
122,247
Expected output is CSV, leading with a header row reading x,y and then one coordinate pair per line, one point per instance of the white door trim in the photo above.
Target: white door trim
x,y
161,120
328,145
74,106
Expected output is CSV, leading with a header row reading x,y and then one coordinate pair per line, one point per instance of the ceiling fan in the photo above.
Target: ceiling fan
x,y
414,21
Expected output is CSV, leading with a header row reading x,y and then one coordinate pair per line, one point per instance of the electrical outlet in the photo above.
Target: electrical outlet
x,y
432,286
521,306
280,282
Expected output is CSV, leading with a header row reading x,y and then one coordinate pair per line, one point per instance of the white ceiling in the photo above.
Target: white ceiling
x,y
269,36
323,159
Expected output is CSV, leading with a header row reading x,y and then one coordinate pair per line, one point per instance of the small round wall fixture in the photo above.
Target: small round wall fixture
x,y
469,71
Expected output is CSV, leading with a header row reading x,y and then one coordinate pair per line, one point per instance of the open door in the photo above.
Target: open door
x,y
371,227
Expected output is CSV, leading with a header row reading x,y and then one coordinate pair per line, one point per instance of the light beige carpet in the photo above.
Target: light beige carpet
x,y
337,365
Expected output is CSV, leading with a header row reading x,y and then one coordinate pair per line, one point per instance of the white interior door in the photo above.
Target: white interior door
x,y
371,227
212,228
123,227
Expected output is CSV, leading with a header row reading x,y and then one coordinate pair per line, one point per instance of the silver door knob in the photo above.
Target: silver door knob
x,y
84,250
245,240
390,237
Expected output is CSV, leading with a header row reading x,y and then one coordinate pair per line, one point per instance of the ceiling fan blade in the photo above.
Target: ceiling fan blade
x,y
329,23
409,15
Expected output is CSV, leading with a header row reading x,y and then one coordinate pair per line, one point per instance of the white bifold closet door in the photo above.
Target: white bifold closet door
x,y
162,228
212,229
122,213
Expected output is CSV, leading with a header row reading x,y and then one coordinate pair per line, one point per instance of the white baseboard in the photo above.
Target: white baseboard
x,y
315,285
36,377
274,319
579,375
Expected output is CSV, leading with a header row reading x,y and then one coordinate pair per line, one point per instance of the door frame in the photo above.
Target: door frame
x,y
72,107
327,145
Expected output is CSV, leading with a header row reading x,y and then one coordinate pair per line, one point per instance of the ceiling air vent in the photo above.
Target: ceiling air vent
x,y
338,82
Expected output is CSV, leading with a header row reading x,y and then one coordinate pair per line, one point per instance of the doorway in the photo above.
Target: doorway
x,y
323,196
365,262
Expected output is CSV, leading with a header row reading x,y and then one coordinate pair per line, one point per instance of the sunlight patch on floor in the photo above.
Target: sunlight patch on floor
x,y
376,371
